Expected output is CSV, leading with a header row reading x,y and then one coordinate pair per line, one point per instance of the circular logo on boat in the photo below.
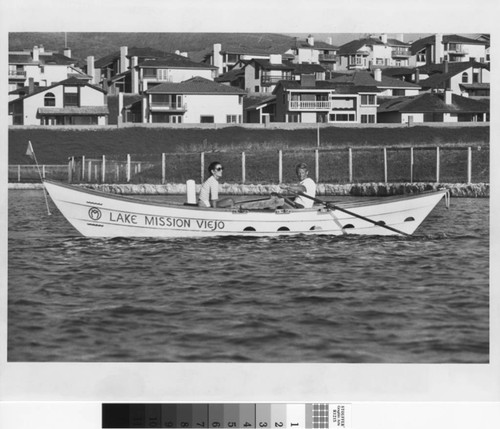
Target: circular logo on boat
x,y
94,213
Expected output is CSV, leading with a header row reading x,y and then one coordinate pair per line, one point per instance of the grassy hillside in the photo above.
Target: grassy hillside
x,y
54,146
102,44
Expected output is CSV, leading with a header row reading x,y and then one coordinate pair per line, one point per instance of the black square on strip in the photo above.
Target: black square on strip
x,y
115,416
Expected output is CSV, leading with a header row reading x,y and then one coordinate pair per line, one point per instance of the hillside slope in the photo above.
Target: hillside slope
x,y
101,44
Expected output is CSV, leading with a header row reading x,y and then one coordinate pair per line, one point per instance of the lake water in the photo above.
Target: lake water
x,y
291,299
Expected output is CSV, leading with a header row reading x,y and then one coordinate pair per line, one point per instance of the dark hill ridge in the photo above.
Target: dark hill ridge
x,y
101,44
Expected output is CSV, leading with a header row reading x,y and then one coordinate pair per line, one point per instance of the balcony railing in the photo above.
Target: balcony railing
x,y
158,105
17,73
309,105
327,57
457,51
402,53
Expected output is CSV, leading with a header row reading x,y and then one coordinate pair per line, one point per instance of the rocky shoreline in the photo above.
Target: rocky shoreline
x,y
472,190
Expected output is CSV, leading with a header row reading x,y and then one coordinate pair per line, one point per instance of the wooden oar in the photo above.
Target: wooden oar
x,y
335,207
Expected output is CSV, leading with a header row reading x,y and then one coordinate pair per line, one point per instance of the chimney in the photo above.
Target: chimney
x,y
307,80
417,75
329,40
67,52
36,53
438,48
377,75
275,59
310,40
217,57
448,97
41,49
401,37
123,59
120,108
135,75
383,38
90,68
31,85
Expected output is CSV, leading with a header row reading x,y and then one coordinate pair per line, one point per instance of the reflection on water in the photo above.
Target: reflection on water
x,y
285,299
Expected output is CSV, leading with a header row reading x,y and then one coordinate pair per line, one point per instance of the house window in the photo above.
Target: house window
x,y
379,61
367,99
256,89
256,74
293,117
163,74
49,100
207,119
232,119
465,78
367,119
342,117
240,99
398,92
71,96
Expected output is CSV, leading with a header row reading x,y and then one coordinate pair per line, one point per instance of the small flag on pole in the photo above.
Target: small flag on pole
x,y
30,152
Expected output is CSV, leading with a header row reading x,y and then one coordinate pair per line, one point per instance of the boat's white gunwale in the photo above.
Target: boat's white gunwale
x,y
345,204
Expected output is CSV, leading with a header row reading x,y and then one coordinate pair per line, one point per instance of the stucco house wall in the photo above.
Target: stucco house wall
x,y
216,105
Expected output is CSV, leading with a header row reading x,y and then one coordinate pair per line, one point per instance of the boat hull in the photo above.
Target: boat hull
x,y
99,214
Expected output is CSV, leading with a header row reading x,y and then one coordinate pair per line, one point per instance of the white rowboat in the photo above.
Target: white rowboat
x,y
99,214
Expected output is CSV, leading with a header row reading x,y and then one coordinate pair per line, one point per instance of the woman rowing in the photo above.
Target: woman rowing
x,y
209,193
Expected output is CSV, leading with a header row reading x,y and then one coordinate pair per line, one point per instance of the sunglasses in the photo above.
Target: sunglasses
x,y
219,169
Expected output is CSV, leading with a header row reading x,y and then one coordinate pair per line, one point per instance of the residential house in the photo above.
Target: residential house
x,y
194,101
433,107
462,78
261,76
311,101
44,67
72,101
225,58
373,52
309,51
136,70
438,48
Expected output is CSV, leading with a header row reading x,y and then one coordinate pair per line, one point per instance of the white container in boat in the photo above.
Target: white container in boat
x,y
191,191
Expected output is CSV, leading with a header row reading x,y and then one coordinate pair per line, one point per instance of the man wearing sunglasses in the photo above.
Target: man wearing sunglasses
x,y
209,193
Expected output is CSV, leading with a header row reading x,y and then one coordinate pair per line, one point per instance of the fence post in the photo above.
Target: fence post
x,y
202,164
411,164
243,167
469,165
385,165
350,165
69,170
18,173
128,167
316,159
83,167
437,164
163,167
90,171
280,166
103,169
43,171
